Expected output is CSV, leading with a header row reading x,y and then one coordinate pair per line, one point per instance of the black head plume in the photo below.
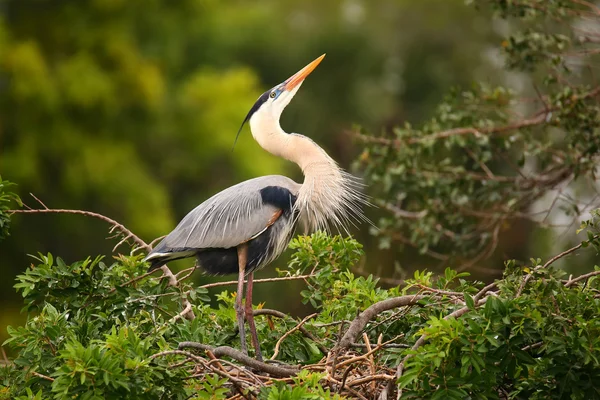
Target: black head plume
x,y
261,100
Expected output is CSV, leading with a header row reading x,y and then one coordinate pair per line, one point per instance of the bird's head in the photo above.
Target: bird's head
x,y
272,102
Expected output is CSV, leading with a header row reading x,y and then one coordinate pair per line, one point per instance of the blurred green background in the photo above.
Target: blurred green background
x,y
129,108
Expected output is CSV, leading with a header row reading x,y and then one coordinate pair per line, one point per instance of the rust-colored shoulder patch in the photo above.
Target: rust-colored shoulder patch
x,y
274,217
270,222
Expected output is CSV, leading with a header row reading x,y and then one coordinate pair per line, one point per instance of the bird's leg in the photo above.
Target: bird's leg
x,y
250,317
242,251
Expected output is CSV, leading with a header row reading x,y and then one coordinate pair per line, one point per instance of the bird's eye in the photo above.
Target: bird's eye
x,y
273,94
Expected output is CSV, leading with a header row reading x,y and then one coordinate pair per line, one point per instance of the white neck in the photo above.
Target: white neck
x,y
328,194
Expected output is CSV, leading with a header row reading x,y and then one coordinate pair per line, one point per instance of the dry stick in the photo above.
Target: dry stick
x,y
38,200
532,346
4,357
305,332
240,370
178,352
111,221
345,376
189,271
183,313
438,291
288,333
371,359
237,383
244,359
367,354
570,282
483,291
359,323
371,378
187,312
338,383
42,376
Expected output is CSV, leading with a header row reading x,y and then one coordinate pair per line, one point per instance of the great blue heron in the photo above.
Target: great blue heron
x,y
247,226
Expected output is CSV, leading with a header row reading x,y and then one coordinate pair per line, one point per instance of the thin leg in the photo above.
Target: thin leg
x,y
242,251
250,317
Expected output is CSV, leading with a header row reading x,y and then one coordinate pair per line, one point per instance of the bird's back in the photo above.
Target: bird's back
x,y
231,217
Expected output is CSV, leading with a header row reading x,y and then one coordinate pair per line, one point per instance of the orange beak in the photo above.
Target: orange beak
x,y
299,76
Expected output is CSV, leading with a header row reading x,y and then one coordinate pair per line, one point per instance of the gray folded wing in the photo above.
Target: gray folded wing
x,y
229,218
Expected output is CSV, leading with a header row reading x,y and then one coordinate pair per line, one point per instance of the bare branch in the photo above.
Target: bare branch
x,y
221,351
112,222
305,332
573,281
364,317
288,333
42,376
548,263
283,278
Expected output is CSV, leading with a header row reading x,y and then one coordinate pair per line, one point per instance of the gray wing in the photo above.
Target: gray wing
x,y
229,218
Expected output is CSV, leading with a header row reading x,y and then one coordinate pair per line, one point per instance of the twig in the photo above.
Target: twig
x,y
178,352
371,358
305,332
227,351
189,271
373,377
345,376
571,282
184,313
532,346
283,278
4,357
39,201
242,370
384,346
564,253
188,313
438,291
137,278
288,333
400,213
237,383
483,291
42,376
111,221
548,263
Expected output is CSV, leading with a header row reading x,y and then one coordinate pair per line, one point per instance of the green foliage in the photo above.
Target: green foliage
x,y
7,200
91,336
95,331
455,185
541,344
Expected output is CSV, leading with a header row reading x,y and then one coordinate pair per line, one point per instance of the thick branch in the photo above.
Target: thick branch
x,y
275,370
364,317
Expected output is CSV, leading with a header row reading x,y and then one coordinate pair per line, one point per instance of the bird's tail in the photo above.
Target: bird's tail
x,y
157,259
